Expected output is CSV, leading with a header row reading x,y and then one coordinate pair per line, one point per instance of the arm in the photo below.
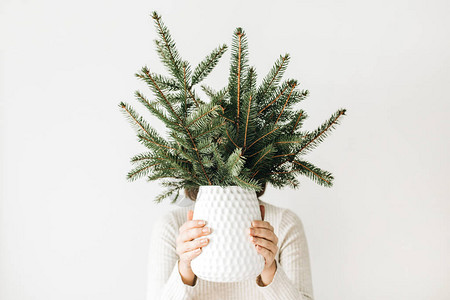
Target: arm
x,y
292,279
164,279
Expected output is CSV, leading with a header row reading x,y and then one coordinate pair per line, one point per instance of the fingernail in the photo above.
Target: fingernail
x,y
206,229
201,222
204,241
198,250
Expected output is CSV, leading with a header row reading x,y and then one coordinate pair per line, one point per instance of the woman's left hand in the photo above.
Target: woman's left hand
x,y
262,235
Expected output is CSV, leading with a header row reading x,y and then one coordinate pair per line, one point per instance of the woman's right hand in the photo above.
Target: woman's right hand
x,y
188,248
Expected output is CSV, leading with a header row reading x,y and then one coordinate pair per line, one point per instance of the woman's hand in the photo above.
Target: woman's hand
x,y
262,235
187,248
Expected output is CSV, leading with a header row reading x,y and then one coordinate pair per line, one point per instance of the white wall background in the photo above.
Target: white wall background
x,y
72,227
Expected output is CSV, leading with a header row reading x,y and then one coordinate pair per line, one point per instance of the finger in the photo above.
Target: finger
x,y
192,245
191,224
266,253
264,233
188,256
190,234
263,224
266,244
190,214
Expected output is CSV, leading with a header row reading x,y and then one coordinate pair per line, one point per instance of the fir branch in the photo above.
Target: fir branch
x,y
267,150
186,89
273,77
164,82
245,182
229,137
205,113
155,110
138,158
174,61
158,89
208,64
235,162
246,120
140,170
237,69
166,194
319,134
314,138
239,80
285,103
212,129
209,91
144,130
279,95
321,177
147,73
143,137
301,115
270,132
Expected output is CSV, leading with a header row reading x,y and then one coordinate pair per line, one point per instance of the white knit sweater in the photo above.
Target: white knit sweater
x,y
292,280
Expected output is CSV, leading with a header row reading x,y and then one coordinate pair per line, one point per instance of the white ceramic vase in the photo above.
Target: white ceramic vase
x,y
230,256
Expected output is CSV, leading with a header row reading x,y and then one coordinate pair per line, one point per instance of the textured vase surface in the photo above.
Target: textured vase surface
x,y
230,256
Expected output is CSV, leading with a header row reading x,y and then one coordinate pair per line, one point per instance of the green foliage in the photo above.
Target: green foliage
x,y
246,134
263,123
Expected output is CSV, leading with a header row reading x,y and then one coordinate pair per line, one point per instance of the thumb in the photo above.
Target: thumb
x,y
263,211
190,214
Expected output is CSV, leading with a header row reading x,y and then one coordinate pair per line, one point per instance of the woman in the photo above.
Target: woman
x,y
279,238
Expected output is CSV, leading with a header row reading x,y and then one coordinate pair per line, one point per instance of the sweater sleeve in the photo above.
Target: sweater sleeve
x,y
292,279
164,279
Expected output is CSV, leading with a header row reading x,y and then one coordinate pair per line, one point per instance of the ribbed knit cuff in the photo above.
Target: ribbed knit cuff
x,y
176,289
280,287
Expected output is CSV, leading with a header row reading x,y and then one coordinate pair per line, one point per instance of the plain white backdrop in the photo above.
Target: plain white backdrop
x,y
72,226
